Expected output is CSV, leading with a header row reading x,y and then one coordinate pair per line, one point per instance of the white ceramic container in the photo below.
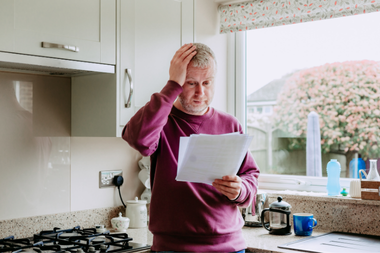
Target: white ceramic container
x,y
355,188
120,224
136,211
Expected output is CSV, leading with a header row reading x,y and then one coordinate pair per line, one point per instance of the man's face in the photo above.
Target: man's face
x,y
198,90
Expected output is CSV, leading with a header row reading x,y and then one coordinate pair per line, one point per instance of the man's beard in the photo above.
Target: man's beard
x,y
189,108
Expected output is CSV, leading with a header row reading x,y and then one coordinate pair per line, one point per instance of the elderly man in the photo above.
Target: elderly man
x,y
187,216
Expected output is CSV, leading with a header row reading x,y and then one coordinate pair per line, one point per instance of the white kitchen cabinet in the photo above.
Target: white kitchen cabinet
x,y
149,32
86,29
6,25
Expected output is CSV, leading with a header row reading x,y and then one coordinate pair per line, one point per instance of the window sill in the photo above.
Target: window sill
x,y
317,197
298,183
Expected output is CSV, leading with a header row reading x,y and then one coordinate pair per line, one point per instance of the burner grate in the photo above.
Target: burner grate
x,y
16,245
71,240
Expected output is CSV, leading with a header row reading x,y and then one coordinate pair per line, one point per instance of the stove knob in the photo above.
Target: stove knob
x,y
91,249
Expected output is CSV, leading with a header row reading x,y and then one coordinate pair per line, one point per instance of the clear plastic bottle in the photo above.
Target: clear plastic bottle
x,y
333,175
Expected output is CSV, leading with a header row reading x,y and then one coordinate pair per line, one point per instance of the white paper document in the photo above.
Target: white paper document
x,y
202,158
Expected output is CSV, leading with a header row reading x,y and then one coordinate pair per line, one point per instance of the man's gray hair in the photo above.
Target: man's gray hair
x,y
203,57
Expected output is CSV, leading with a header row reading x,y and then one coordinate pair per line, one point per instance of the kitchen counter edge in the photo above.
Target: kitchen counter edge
x,y
257,239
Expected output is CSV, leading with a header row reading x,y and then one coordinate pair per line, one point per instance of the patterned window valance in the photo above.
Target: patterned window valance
x,y
260,14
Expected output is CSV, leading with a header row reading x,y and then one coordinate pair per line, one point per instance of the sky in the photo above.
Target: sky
x,y
274,52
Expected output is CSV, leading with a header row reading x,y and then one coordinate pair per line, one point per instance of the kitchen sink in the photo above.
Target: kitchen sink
x,y
336,242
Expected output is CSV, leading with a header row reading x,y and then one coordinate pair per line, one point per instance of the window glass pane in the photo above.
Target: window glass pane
x,y
267,109
331,67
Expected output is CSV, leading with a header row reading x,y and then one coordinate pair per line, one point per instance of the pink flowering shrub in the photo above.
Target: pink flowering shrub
x,y
346,96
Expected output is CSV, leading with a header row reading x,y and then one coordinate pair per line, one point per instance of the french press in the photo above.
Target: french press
x,y
279,220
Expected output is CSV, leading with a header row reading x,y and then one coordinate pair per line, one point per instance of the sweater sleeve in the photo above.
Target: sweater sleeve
x,y
249,173
143,130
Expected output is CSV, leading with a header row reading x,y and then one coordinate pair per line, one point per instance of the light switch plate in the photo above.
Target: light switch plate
x,y
106,177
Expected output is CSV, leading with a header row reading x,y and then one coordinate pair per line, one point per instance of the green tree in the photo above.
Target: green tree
x,y
346,96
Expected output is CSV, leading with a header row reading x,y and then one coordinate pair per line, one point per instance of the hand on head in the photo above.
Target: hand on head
x,y
178,64
230,186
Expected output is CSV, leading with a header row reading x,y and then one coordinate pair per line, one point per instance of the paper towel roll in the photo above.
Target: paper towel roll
x,y
145,178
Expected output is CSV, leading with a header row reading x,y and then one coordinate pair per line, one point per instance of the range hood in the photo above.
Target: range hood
x,y
14,62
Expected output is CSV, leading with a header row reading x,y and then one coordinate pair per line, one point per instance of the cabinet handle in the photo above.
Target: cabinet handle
x,y
127,102
54,45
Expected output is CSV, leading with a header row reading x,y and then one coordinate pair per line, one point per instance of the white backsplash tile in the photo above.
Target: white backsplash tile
x,y
42,169
34,162
89,155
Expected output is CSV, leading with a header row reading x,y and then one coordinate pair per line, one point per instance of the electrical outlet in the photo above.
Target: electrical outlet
x,y
106,177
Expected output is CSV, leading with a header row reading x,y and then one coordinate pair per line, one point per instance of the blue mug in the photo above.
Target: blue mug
x,y
303,223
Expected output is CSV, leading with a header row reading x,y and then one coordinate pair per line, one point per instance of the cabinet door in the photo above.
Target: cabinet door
x,y
148,34
93,105
86,25
151,32
6,25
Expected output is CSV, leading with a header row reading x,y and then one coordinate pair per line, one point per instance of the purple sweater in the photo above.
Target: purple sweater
x,y
187,216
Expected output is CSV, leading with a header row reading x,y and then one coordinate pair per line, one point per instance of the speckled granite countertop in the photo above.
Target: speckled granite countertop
x,y
257,239
341,214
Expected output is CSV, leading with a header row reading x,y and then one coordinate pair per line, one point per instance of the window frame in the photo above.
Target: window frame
x,y
236,105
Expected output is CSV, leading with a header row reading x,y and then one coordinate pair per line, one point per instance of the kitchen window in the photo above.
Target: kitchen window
x,y
331,67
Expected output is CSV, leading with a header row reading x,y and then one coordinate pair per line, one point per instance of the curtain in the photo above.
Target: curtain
x,y
258,14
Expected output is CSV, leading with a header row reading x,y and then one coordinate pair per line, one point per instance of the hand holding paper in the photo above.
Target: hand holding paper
x,y
204,158
230,186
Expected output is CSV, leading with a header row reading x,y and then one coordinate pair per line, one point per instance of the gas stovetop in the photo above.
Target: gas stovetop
x,y
72,240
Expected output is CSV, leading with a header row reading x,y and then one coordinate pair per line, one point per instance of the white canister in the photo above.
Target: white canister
x,y
137,213
355,188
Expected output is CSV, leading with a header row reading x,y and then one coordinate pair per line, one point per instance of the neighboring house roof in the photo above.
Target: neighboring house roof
x,y
269,91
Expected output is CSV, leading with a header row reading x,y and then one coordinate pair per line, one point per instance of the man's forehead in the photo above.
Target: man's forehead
x,y
208,77
194,72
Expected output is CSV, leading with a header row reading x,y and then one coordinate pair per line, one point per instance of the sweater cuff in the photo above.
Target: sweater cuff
x,y
236,197
242,194
171,89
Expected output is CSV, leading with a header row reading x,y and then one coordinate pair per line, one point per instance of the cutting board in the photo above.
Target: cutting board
x,y
370,190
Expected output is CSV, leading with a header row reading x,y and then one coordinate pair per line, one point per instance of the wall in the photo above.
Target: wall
x,y
89,155
34,145
42,169
207,32
73,184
